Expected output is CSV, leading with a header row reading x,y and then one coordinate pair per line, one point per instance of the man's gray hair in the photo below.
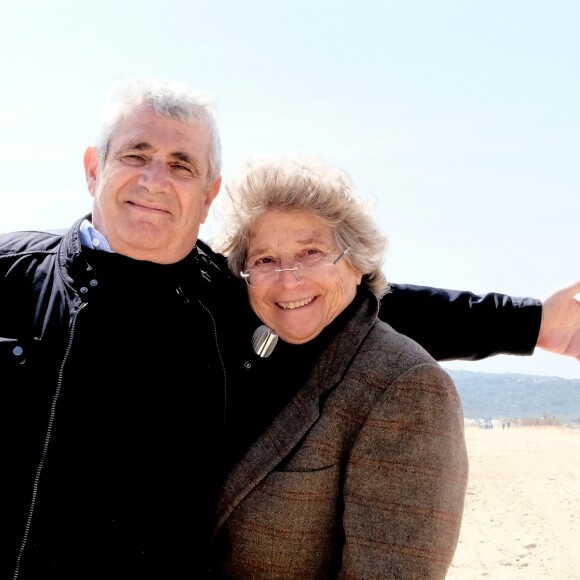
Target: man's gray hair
x,y
302,182
167,99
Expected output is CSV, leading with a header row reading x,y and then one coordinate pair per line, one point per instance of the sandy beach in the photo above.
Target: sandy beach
x,y
522,510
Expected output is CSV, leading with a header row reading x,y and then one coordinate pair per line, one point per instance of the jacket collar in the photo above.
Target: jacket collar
x,y
77,273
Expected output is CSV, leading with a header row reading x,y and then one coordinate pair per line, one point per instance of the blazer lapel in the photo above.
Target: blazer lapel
x,y
268,451
282,436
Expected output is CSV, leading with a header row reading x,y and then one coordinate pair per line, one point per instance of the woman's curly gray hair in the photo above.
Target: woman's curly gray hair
x,y
302,182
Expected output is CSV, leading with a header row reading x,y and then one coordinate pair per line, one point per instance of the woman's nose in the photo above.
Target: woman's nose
x,y
288,276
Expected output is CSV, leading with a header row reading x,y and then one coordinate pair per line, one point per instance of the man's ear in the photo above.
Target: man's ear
x,y
211,193
91,163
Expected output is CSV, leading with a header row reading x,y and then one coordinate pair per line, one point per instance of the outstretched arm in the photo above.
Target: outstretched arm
x,y
454,324
560,326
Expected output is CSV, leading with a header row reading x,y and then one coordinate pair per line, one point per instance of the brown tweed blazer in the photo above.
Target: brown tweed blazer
x,y
362,475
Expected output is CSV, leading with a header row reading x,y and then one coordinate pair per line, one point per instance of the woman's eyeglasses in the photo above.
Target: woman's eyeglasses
x,y
310,268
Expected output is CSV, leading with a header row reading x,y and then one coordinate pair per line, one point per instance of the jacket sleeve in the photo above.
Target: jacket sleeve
x,y
455,324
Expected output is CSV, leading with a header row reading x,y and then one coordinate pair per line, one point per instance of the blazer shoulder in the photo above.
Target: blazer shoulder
x,y
389,341
390,355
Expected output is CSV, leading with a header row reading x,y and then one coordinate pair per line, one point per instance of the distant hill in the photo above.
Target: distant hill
x,y
517,396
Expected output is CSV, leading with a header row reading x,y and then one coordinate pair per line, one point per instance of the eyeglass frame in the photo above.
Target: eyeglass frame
x,y
245,274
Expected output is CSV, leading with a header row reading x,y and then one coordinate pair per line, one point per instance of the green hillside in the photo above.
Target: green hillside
x,y
516,395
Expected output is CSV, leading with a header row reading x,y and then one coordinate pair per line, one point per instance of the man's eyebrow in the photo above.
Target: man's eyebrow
x,y
180,156
142,146
176,155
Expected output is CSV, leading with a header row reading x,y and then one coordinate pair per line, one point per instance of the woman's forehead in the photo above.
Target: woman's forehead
x,y
282,229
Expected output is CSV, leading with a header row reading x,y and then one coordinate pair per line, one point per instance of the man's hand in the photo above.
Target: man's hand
x,y
560,326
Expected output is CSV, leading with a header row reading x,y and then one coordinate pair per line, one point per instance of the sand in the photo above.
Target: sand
x,y
522,509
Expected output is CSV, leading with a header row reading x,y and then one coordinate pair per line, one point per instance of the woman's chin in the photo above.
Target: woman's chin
x,y
296,337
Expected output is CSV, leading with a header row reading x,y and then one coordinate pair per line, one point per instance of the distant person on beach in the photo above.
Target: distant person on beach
x,y
125,342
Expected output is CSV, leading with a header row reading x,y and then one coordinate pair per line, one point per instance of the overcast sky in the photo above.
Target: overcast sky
x,y
461,118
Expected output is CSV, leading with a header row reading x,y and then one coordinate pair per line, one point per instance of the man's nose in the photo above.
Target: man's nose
x,y
155,176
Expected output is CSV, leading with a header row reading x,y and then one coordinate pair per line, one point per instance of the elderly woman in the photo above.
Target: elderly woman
x,y
363,469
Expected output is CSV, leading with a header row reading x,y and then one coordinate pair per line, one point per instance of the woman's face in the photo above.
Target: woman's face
x,y
298,309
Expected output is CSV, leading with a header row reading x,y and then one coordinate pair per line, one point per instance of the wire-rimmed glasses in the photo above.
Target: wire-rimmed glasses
x,y
311,268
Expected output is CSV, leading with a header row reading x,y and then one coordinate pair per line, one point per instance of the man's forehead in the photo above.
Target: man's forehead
x,y
175,136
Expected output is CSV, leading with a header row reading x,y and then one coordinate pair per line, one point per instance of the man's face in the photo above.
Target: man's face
x,y
152,193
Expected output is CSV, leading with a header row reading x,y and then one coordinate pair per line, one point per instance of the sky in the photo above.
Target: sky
x,y
460,118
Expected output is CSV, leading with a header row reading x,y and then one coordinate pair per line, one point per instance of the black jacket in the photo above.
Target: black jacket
x,y
114,387
165,345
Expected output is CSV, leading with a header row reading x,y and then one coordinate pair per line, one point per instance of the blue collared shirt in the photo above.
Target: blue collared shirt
x,y
91,238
